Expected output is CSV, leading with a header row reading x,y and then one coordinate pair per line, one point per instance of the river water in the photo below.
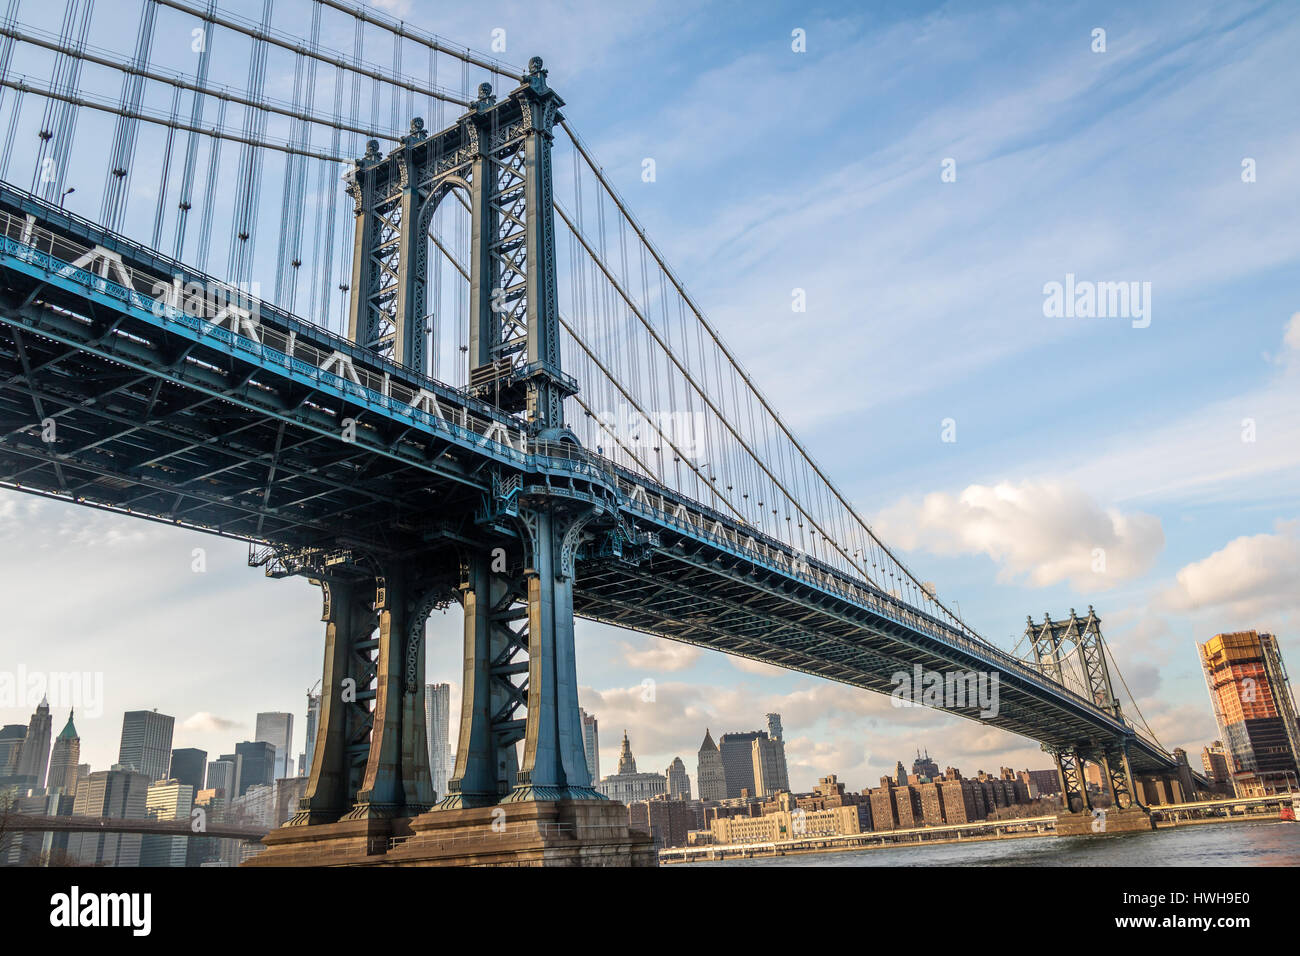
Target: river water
x,y
1266,843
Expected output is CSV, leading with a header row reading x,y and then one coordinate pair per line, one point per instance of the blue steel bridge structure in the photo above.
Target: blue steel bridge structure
x,y
451,440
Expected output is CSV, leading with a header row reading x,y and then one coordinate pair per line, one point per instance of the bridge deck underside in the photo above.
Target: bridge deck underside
x,y
730,607
159,426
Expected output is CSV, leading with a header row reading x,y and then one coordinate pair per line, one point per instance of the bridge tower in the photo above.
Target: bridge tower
x,y
513,574
1053,641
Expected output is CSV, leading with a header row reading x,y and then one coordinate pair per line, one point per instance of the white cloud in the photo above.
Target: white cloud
x,y
1045,531
1250,576
654,654
204,722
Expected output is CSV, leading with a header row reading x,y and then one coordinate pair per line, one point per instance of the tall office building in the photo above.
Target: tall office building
x,y
34,760
770,773
63,760
188,765
591,744
313,720
11,751
276,729
709,772
120,793
166,800
256,764
1255,710
147,743
774,726
437,713
738,761
223,776
679,785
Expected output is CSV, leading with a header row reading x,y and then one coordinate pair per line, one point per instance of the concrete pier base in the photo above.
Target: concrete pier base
x,y
557,833
1104,823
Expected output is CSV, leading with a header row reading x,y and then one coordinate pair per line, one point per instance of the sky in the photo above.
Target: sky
x,y
923,172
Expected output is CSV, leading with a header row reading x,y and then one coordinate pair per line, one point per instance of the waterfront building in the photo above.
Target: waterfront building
x,y
884,815
591,743
1214,759
146,744
679,784
1254,709
629,786
709,771
437,714
63,760
34,758
276,728
669,822
789,822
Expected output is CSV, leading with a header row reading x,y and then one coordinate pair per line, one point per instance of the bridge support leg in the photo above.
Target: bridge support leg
x,y
1119,779
397,781
554,764
486,763
1069,771
344,718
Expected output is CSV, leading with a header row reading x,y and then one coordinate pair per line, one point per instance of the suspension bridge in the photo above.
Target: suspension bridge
x,y
473,379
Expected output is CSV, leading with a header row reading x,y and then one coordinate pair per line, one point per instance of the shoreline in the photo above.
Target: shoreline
x,y
737,851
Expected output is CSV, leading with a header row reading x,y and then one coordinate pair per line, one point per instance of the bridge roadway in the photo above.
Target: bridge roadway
x,y
34,822
235,418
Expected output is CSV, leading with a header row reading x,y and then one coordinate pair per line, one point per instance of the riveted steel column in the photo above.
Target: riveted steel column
x,y
381,788
349,619
554,765
486,764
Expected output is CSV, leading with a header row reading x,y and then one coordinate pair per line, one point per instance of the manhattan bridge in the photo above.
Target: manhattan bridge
x,y
363,299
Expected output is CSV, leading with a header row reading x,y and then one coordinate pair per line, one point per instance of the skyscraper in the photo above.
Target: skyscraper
x,y
679,785
147,743
313,720
256,764
770,774
709,772
738,761
166,800
11,751
119,793
34,760
63,760
1254,709
188,766
223,775
591,744
437,713
276,729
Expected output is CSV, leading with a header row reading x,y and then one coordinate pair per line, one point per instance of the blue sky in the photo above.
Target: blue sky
x,y
821,171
